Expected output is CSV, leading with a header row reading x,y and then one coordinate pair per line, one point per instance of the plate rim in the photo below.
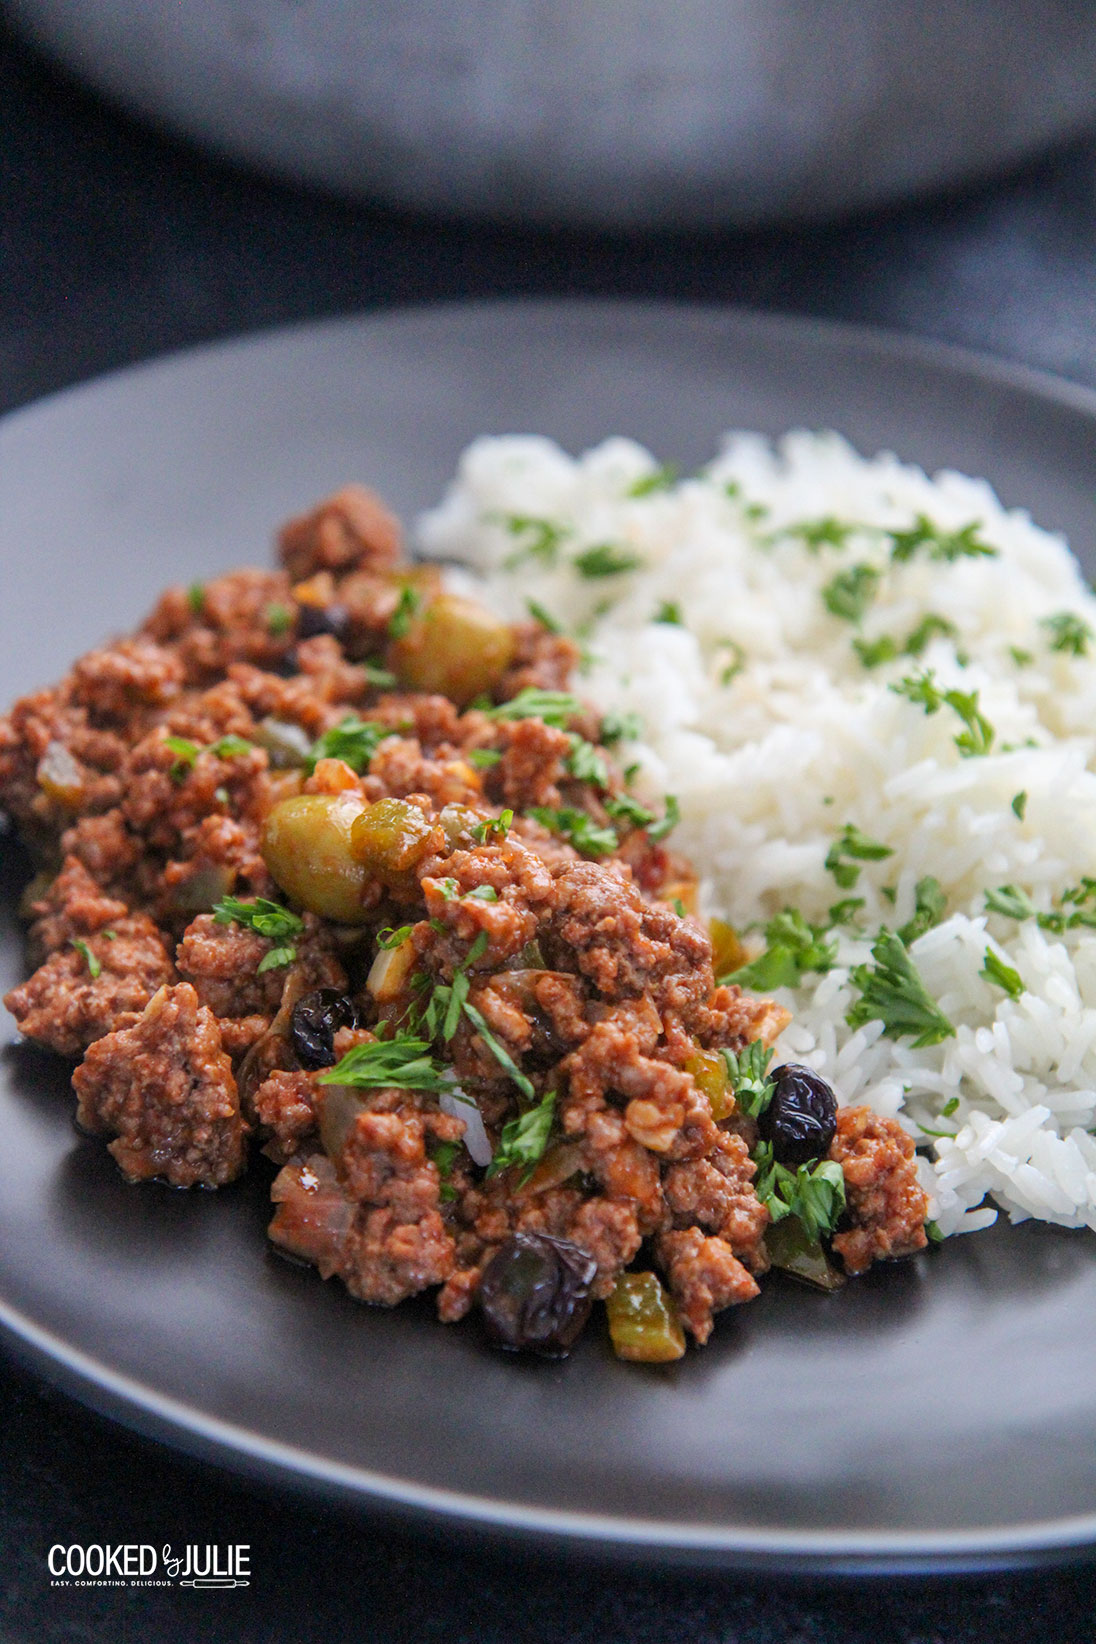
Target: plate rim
x,y
185,1427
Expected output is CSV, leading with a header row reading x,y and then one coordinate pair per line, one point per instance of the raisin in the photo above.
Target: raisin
x,y
316,1019
535,1294
324,619
801,1119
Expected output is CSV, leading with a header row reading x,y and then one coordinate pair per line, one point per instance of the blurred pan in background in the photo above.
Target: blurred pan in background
x,y
611,113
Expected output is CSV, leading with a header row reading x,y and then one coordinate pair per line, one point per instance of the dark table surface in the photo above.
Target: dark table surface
x,y
116,244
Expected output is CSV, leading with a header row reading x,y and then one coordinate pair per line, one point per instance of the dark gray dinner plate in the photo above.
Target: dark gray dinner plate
x,y
938,1413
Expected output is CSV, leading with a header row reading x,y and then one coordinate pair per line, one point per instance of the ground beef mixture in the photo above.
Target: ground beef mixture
x,y
334,865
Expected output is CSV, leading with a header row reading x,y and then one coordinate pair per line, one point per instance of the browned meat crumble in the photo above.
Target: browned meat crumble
x,y
545,966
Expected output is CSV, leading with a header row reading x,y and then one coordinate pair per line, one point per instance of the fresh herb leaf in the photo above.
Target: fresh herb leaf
x,y
995,970
195,597
659,479
816,534
792,948
389,938
279,620
1022,658
264,917
605,560
753,1090
498,1051
892,992
442,1156
851,847
525,1138
554,707
669,820
95,968
399,623
546,620
402,1063
230,747
543,539
930,627
933,1233
448,888
670,612
813,1193
482,759
586,764
1068,632
496,827
482,893
930,903
1010,900
850,592
679,908
949,1107
731,669
623,807
844,913
874,651
185,751
923,690
382,678
620,727
275,958
1019,804
941,544
578,828
352,740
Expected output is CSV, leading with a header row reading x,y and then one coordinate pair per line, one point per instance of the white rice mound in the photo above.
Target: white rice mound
x,y
770,762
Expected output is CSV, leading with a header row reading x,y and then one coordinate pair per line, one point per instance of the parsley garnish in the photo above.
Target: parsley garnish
x,y
265,918
753,1091
586,764
622,807
670,819
279,620
922,689
1015,903
930,627
995,970
851,592
525,1138
813,1193
792,947
185,751
499,1052
382,678
94,967
731,670
544,537
620,727
442,1156
578,828
546,620
493,826
482,893
1022,658
230,747
483,758
874,651
605,560
941,544
1069,632
893,993
402,617
857,846
929,905
659,479
402,1063
670,612
1010,900
387,939
826,532
554,707
195,597
844,912
1019,804
352,740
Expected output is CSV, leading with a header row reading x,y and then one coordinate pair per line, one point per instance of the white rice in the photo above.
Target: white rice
x,y
770,764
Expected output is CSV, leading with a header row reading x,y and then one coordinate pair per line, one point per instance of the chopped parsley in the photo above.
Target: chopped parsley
x,y
352,740
545,618
525,1138
995,970
922,689
279,620
483,758
578,828
852,847
942,545
844,912
382,678
623,807
620,727
280,925
606,559
402,1063
850,592
1068,632
736,660
1010,900
586,764
669,820
930,627
753,1090
826,532
1074,906
1022,658
792,948
443,1156
670,612
195,597
499,1052
230,747
554,707
482,893
399,623
659,479
1019,804
892,992
185,751
874,651
543,539
930,903
813,1193
390,938
95,968
493,827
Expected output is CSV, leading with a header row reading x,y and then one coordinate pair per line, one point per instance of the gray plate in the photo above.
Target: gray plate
x,y
938,1413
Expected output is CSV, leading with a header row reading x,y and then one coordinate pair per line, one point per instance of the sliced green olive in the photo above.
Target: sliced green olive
x,y
793,1252
306,844
389,840
286,744
643,1321
455,647
457,823
709,1072
728,954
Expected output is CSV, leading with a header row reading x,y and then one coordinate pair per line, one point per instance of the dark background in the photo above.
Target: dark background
x,y
116,244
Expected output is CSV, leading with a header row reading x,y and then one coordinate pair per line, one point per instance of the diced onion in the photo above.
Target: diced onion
x,y
459,1106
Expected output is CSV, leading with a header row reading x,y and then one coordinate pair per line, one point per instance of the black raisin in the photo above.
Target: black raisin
x,y
316,1018
535,1294
324,619
801,1118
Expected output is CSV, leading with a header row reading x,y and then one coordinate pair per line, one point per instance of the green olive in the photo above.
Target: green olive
x,y
389,839
457,824
643,1321
306,846
455,647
